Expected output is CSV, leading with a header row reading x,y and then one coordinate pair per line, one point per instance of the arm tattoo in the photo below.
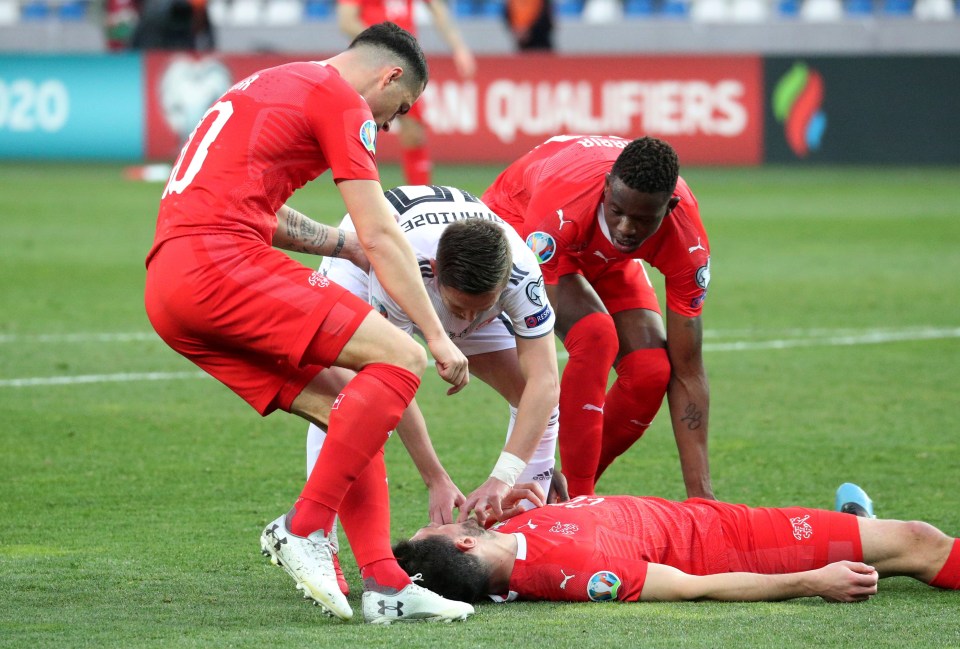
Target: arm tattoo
x,y
692,416
305,234
341,239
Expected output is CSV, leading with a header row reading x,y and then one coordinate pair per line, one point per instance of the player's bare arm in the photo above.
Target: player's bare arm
x,y
299,233
443,22
444,494
844,581
348,19
392,258
688,396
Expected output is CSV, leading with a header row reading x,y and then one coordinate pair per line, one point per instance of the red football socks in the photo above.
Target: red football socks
x,y
633,401
592,345
364,413
949,575
365,516
416,165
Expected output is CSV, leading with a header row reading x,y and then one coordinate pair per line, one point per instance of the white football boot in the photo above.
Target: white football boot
x,y
309,560
412,604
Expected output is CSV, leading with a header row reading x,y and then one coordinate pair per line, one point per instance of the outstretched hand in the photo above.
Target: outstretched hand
x,y
846,581
444,498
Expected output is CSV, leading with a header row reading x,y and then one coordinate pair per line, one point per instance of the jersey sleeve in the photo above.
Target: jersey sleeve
x,y
551,229
524,301
345,130
682,253
574,572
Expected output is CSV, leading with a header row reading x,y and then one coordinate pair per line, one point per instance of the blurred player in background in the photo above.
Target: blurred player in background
x,y
353,16
629,548
592,208
220,293
486,287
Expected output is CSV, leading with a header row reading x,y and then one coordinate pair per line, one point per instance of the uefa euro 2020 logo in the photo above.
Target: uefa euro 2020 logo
x,y
797,100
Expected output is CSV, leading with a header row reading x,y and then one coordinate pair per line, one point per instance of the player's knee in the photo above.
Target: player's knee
x,y
410,356
645,369
593,336
925,536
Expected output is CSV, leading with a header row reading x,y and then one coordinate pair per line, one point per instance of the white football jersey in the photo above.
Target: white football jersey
x,y
424,211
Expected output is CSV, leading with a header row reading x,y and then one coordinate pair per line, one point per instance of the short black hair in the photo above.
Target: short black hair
x,y
392,38
444,569
648,165
474,256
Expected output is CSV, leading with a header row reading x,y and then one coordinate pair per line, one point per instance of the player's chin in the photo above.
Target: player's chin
x,y
625,247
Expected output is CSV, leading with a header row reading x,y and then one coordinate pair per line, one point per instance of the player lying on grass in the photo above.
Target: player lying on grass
x,y
632,548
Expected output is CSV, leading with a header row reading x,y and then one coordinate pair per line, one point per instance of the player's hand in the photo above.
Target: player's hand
x,y
444,497
451,363
513,503
485,501
558,489
846,581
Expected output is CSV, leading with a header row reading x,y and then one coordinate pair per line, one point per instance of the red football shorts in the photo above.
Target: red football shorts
x,y
789,539
247,314
621,285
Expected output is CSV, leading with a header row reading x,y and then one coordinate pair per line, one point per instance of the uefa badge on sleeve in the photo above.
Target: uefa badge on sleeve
x,y
603,586
368,135
542,245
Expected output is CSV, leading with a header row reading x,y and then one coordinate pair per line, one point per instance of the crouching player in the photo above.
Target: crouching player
x,y
487,289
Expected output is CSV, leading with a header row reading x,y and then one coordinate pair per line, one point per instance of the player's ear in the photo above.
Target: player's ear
x,y
391,74
672,203
433,266
466,543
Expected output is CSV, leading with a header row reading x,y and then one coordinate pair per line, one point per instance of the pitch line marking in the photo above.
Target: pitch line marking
x,y
869,337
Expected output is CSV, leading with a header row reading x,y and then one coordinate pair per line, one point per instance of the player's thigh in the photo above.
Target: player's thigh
x,y
629,296
316,399
412,133
573,299
501,371
378,341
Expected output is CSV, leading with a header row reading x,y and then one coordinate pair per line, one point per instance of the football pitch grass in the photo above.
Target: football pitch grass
x,y
134,490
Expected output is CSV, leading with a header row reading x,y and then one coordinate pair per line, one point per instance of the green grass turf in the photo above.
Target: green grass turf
x,y
132,509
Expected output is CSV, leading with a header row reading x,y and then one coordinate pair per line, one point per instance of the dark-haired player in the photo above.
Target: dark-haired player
x,y
593,207
630,548
220,293
486,287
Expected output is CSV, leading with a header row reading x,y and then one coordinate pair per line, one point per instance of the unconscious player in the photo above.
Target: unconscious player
x,y
633,548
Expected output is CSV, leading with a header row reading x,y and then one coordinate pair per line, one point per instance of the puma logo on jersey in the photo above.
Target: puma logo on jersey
x,y
566,578
562,221
699,246
529,524
602,256
590,406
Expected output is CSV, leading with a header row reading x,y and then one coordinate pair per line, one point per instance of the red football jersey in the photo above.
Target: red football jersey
x,y
598,548
378,11
552,196
262,140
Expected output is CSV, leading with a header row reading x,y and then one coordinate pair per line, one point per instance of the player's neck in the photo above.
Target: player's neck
x,y
500,553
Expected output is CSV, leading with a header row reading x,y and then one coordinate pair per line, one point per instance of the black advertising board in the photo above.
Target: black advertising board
x,y
863,110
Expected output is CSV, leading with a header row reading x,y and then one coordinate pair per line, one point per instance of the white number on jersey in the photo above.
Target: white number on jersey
x,y
219,113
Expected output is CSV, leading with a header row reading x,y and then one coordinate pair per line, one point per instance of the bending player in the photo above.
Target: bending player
x,y
592,208
630,548
220,293
486,287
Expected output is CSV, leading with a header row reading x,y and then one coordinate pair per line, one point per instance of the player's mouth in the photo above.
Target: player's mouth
x,y
624,245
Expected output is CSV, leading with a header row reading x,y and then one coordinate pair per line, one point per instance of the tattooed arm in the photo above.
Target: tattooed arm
x,y
298,233
688,394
